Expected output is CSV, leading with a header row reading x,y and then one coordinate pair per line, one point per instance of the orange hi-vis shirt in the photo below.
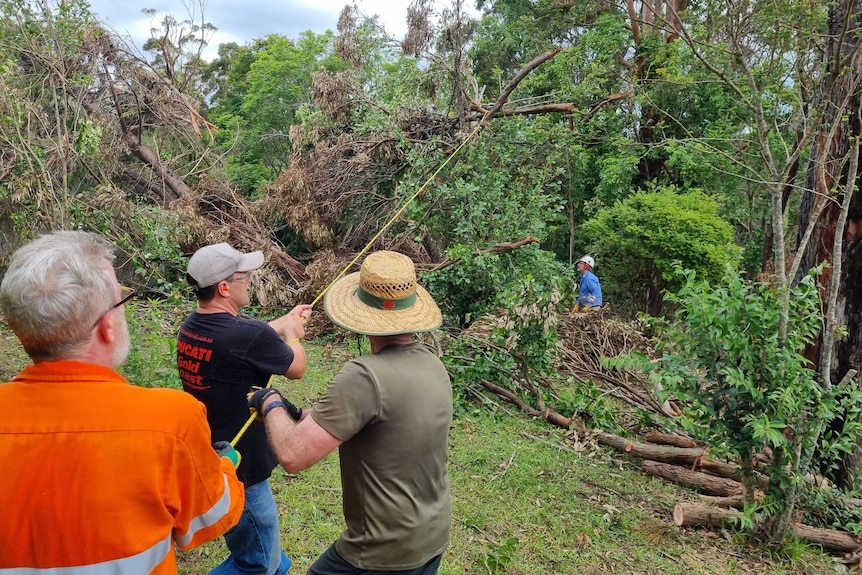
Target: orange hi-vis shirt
x,y
102,477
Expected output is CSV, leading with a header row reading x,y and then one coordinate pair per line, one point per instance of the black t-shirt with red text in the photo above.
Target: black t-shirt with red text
x,y
220,357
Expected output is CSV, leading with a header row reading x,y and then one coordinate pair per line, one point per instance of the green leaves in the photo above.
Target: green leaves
x,y
740,385
767,431
647,233
258,90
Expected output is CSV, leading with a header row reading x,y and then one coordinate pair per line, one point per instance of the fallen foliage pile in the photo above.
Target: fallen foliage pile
x,y
585,339
589,337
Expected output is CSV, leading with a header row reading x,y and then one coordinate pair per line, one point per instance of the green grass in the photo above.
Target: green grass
x,y
527,498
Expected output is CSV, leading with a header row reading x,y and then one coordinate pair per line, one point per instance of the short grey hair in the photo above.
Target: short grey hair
x,y
55,289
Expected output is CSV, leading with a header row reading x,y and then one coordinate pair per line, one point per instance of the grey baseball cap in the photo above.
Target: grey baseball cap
x,y
212,264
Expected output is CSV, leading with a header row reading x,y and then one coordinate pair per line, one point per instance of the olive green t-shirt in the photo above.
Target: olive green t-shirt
x,y
392,410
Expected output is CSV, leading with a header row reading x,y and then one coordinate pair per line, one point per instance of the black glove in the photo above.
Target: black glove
x,y
225,449
257,397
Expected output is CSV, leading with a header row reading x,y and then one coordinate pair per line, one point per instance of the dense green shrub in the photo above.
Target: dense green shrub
x,y
481,283
638,240
743,386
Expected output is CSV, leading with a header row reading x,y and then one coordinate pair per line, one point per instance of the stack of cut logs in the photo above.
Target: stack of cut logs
x,y
686,462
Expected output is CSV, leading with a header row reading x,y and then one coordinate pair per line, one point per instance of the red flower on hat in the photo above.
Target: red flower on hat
x,y
388,304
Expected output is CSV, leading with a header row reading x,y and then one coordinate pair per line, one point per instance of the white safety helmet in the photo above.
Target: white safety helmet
x,y
588,260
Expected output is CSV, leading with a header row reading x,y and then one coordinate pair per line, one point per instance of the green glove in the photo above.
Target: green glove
x,y
225,449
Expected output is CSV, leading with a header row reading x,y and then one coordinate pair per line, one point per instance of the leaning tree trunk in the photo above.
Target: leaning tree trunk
x,y
829,176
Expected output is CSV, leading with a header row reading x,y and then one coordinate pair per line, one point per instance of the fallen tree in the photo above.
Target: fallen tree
x,y
696,515
697,480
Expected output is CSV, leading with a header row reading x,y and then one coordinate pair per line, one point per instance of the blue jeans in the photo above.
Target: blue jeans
x,y
255,542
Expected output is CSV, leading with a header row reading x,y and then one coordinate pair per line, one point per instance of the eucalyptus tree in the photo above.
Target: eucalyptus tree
x,y
47,142
784,65
257,93
831,205
176,47
92,135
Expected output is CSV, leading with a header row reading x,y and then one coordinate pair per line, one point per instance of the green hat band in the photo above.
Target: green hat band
x,y
384,303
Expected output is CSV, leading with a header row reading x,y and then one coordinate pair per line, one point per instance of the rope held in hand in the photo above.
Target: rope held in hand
x,y
386,226
247,424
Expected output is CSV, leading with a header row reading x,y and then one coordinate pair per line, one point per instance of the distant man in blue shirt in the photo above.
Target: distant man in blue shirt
x,y
590,294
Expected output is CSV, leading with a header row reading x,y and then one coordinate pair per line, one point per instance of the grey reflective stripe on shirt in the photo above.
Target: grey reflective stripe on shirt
x,y
143,562
215,514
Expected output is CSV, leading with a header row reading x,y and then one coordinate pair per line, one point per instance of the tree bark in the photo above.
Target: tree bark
x,y
702,482
731,471
670,439
830,177
549,414
827,538
732,502
665,453
697,515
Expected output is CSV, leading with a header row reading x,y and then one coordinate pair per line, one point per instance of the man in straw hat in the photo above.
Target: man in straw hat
x,y
220,357
389,414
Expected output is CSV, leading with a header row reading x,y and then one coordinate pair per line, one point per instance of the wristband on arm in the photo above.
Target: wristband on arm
x,y
294,412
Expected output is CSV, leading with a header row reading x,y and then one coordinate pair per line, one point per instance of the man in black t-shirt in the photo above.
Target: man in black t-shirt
x,y
220,357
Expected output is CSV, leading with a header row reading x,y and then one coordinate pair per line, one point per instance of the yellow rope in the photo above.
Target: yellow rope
x,y
371,242
247,424
401,210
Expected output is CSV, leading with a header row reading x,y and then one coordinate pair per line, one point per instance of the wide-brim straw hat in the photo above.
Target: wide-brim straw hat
x,y
382,298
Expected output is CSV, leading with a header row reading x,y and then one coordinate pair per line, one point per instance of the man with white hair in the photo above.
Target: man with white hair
x,y
105,477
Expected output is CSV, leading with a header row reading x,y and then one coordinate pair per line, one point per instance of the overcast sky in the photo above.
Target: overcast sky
x,y
243,20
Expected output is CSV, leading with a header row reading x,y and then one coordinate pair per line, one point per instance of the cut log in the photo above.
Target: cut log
x,y
665,453
730,471
702,482
697,515
670,439
696,456
720,468
827,538
733,502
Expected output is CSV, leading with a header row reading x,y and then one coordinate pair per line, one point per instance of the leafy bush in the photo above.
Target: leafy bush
x,y
642,237
745,386
482,283
148,255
